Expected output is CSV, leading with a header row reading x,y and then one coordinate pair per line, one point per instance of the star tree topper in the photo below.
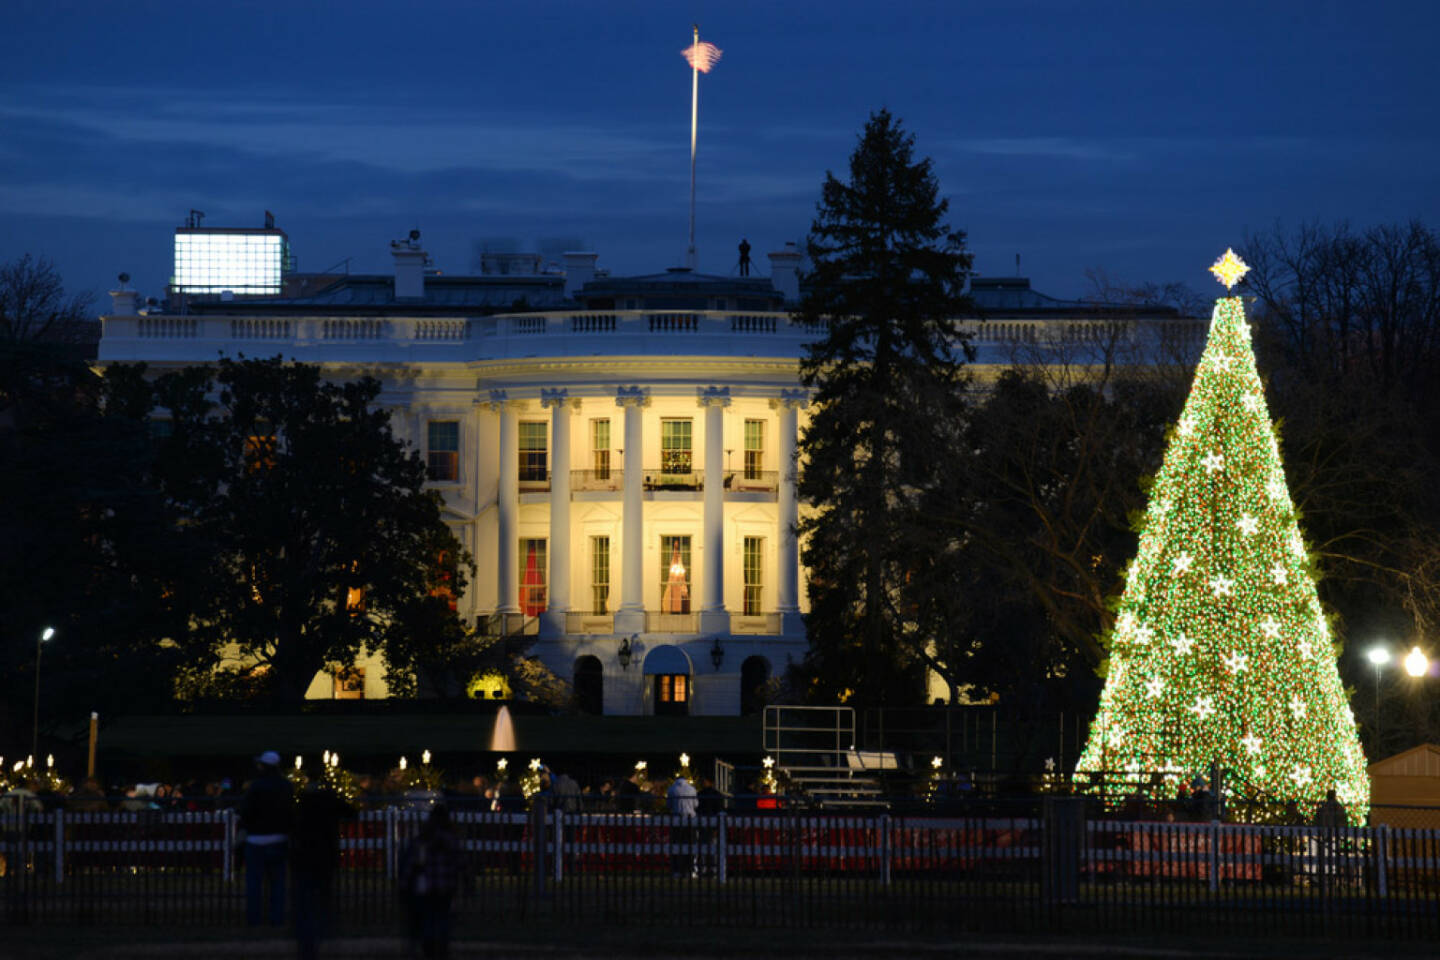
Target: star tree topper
x,y
1229,269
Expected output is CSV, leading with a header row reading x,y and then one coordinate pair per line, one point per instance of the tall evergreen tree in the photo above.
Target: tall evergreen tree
x,y
888,283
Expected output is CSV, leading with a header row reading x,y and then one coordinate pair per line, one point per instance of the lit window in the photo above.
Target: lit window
x,y
532,584
349,683
754,562
533,451
600,448
675,446
599,575
443,451
674,574
260,447
754,448
672,688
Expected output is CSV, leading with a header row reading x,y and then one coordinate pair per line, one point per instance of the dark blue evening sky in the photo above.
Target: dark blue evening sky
x,y
1138,138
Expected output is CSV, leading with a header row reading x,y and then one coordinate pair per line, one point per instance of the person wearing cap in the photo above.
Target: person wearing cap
x,y
267,816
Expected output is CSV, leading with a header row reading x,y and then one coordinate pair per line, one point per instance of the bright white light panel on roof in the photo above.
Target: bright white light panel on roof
x,y
244,263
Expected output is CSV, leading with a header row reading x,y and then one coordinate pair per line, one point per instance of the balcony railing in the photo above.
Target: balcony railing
x,y
657,622
764,624
657,479
507,625
533,481
589,622
597,480
752,480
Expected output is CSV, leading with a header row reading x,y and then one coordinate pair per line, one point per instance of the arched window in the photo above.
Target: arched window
x,y
754,685
590,685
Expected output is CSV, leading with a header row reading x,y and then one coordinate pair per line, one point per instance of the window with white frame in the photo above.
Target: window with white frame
x,y
534,450
754,448
676,445
600,448
599,575
442,450
753,561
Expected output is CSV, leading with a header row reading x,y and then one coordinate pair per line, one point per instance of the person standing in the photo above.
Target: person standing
x,y
314,855
429,876
744,257
267,815
684,803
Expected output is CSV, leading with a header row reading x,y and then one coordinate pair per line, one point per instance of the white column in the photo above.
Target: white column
x,y
713,617
787,591
507,547
630,618
558,601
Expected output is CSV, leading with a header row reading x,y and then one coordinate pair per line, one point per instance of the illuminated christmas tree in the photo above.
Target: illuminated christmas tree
x,y
1220,652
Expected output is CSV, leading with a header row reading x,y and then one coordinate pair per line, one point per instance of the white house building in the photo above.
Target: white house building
x,y
616,453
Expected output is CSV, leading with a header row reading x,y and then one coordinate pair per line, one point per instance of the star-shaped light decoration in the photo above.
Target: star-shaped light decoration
x,y
1213,461
1185,427
1224,361
1143,633
1182,644
1248,525
1301,775
1236,663
1251,742
1306,649
1251,402
1280,575
1125,623
1154,686
1297,707
1229,269
1276,490
1181,564
1222,587
1203,707
1270,627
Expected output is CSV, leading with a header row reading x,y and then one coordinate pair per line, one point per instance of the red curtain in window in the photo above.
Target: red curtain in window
x,y
532,588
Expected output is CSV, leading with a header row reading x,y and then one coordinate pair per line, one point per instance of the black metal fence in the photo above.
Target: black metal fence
x,y
999,867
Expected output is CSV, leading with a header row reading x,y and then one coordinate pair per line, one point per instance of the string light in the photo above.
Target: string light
x,y
1239,671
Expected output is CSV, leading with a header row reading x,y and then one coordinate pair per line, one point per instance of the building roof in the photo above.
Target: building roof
x,y
1421,761
375,293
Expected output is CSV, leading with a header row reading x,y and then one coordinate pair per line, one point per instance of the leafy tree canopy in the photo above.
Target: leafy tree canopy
x,y
318,537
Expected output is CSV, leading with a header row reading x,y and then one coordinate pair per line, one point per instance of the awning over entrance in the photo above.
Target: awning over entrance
x,y
668,659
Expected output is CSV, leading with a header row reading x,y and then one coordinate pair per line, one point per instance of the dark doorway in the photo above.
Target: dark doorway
x,y
754,684
590,685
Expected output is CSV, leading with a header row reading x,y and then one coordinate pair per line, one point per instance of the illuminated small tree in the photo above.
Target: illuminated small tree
x,y
1220,652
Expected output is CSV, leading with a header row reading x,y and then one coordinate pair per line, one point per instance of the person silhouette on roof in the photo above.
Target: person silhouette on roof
x,y
744,257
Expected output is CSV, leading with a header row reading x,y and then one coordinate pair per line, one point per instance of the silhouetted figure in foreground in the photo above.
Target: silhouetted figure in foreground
x,y
429,876
267,815
315,852
744,257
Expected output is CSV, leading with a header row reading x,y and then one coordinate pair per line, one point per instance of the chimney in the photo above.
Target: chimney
x,y
785,272
122,303
579,270
410,260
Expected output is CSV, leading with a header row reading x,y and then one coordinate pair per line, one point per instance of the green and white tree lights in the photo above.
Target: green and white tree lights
x,y
1220,652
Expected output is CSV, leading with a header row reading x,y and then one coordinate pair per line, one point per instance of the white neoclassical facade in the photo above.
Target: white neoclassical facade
x,y
617,455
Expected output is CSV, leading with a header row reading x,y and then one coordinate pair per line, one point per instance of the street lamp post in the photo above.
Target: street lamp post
x,y
1379,656
45,634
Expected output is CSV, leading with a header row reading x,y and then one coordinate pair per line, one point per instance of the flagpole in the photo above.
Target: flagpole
x,y
694,122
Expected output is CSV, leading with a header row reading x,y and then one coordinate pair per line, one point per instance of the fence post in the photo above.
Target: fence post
x,y
227,844
390,843
720,847
885,849
1064,830
559,845
1214,856
59,845
1380,836
538,815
